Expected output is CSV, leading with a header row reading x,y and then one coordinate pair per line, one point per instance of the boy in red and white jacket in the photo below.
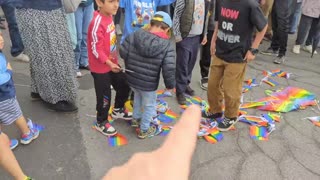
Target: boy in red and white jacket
x,y
104,67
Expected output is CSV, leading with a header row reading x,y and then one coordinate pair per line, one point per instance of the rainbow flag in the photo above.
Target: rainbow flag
x,y
168,117
214,132
270,82
259,133
210,139
253,120
246,88
117,140
165,130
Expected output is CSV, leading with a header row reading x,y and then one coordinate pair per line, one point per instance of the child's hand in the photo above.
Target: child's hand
x,y
115,68
204,40
9,66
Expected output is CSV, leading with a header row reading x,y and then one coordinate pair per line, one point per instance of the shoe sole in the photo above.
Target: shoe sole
x,y
202,87
13,147
28,142
98,129
224,130
115,118
269,54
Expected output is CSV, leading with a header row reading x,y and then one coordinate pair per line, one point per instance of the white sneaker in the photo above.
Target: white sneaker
x,y
23,57
296,49
309,49
79,74
118,29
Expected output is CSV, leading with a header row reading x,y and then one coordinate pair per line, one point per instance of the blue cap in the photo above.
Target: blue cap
x,y
4,74
164,18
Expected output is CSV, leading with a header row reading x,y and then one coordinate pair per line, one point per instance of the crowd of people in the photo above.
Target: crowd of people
x,y
57,45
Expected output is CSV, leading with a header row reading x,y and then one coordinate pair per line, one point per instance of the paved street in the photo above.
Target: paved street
x,y
70,149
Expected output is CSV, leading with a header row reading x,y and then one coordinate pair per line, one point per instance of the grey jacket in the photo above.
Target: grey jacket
x,y
311,8
146,54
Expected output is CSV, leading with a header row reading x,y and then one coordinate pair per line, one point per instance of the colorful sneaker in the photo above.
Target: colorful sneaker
x,y
106,128
135,122
28,138
13,144
227,123
210,115
121,113
149,133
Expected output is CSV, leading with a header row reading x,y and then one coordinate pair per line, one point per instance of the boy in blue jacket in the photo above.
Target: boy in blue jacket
x,y
146,52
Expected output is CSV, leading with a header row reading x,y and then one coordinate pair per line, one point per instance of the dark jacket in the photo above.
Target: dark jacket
x,y
45,5
146,54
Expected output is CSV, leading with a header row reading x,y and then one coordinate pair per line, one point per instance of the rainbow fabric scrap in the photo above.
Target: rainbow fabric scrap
x,y
117,140
165,130
162,93
269,81
315,120
168,117
162,106
289,99
214,136
249,84
259,133
277,72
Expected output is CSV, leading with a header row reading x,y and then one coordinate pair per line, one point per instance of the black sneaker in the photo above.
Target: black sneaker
x,y
189,91
227,123
204,83
181,98
121,113
63,106
270,52
210,115
279,59
105,128
35,96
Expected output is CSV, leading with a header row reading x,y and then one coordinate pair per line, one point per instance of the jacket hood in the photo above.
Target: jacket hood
x,y
148,44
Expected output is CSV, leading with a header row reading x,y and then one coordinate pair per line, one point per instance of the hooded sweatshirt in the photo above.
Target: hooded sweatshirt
x,y
146,54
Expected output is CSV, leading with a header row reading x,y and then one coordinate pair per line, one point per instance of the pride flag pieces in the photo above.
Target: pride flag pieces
x,y
259,133
117,140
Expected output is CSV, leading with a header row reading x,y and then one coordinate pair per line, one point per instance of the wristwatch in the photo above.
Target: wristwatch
x,y
254,51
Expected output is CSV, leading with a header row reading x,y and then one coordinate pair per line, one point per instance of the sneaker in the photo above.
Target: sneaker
x,y
23,57
279,59
106,128
296,49
13,144
181,98
210,115
309,49
63,106
35,96
149,133
270,52
79,74
135,122
28,138
121,113
189,91
204,83
118,29
227,123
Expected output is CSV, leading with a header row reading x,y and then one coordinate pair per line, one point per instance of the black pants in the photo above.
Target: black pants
x,y
281,13
102,84
205,58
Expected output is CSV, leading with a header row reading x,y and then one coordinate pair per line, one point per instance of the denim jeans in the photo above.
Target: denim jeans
x,y
83,17
144,107
295,18
16,41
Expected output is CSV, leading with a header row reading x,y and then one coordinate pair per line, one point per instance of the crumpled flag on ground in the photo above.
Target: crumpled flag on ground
x,y
162,106
315,120
214,136
168,116
264,120
117,140
161,93
289,99
278,73
269,81
249,84
259,133
165,130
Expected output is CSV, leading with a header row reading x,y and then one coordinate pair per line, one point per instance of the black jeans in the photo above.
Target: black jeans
x,y
281,13
205,58
307,27
102,84
16,41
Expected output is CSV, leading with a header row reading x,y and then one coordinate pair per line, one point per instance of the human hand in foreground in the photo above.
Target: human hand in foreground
x,y
171,161
249,56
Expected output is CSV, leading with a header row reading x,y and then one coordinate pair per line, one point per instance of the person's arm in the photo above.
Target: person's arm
x,y
124,48
214,39
178,10
169,67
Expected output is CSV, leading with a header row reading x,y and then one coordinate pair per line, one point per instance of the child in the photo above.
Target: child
x,y
138,13
9,107
188,20
231,45
104,66
146,53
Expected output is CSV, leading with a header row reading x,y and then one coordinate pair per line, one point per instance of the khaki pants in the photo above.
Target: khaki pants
x,y
266,9
225,83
